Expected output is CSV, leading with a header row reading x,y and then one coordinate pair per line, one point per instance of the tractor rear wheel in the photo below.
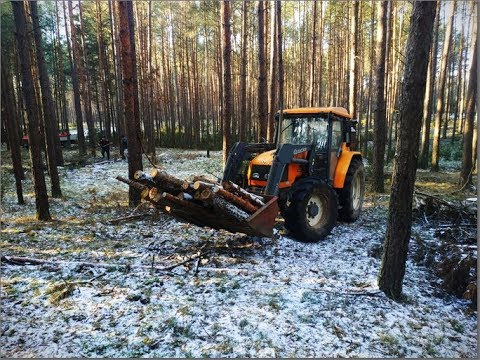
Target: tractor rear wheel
x,y
312,211
351,196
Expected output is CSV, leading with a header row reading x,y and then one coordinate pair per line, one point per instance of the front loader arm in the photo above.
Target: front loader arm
x,y
284,156
240,152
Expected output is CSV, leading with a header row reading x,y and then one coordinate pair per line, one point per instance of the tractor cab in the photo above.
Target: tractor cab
x,y
319,135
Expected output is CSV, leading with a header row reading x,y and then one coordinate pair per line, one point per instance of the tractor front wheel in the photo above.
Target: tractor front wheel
x,y
312,212
351,196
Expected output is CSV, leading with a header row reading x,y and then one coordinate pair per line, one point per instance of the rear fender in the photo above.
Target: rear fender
x,y
342,167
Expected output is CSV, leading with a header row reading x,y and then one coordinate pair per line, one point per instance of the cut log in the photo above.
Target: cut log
x,y
187,185
134,184
206,194
160,176
222,206
193,178
237,190
236,200
201,185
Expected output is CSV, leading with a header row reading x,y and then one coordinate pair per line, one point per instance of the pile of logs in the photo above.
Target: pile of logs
x,y
199,200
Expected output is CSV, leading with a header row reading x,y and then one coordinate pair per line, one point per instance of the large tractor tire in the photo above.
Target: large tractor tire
x,y
351,196
312,210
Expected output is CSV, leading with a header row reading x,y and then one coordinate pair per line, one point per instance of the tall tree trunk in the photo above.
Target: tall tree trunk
x,y
428,106
398,233
370,79
262,75
74,60
63,88
243,74
380,126
24,42
130,92
49,116
458,82
227,86
314,53
280,53
273,78
85,84
467,164
352,98
320,57
441,90
8,115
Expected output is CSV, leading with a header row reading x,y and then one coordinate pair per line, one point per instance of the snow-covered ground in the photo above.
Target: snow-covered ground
x,y
251,297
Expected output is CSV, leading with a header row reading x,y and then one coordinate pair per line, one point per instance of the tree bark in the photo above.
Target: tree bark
x,y
243,74
74,59
8,115
352,98
280,54
130,92
441,90
428,106
380,126
273,78
85,83
227,85
262,75
49,116
24,42
467,163
398,232
314,53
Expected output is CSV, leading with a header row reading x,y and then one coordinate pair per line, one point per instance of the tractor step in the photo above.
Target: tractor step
x,y
204,202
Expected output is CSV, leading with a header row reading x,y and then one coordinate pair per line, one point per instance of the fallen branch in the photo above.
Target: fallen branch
x,y
126,218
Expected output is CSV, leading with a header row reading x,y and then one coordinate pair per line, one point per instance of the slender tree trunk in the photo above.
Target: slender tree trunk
x,y
352,98
8,115
49,116
74,62
320,57
380,126
243,74
227,90
398,233
280,54
370,79
467,164
85,83
314,53
428,106
273,78
262,77
441,90
24,44
130,92
458,87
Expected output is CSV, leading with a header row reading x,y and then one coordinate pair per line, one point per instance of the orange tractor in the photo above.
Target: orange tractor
x,y
311,174
311,169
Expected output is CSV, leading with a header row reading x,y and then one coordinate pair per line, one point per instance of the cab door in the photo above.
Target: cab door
x,y
335,147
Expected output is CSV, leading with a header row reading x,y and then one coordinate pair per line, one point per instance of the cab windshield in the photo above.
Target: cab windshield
x,y
305,130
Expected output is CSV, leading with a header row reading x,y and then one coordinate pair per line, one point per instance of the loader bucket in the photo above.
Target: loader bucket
x,y
208,204
260,223
263,221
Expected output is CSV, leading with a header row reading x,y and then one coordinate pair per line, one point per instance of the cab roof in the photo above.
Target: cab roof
x,y
340,111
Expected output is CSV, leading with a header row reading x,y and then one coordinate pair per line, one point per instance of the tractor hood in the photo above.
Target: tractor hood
x,y
265,158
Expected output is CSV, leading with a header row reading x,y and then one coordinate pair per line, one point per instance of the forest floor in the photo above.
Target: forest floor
x,y
251,297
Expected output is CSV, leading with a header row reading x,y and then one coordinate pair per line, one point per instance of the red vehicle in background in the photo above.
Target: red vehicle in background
x,y
62,135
